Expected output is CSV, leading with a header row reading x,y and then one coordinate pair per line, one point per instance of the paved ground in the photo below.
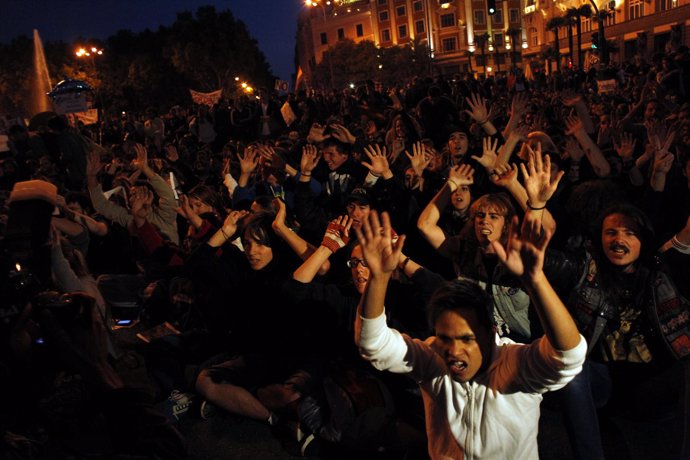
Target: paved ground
x,y
227,437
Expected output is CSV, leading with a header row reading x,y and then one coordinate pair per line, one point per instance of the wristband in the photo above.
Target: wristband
x,y
305,174
224,234
486,120
529,205
678,246
330,244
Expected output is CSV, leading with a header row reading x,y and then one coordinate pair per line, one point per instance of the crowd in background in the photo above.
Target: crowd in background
x,y
237,230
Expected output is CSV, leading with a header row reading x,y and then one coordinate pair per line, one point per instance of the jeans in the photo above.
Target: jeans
x,y
580,399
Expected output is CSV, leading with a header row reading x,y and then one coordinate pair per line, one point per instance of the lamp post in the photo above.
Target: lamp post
x,y
91,52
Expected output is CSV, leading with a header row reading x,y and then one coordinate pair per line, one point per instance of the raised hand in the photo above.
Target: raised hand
x,y
518,105
537,177
230,224
380,251
378,163
316,134
341,133
573,126
478,108
524,253
504,175
269,155
663,161
489,154
171,153
419,159
249,161
310,158
141,161
625,147
93,163
573,149
337,233
461,175
281,215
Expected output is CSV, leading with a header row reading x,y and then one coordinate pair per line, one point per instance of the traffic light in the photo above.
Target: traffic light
x,y
491,7
595,40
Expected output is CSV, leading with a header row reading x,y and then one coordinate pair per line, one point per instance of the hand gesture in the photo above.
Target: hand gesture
x,y
185,209
663,161
230,224
341,133
270,156
419,159
310,158
626,147
337,234
93,163
249,161
537,177
171,153
573,126
378,163
281,215
380,251
478,108
518,106
504,175
573,149
519,134
489,155
316,134
461,175
141,162
524,254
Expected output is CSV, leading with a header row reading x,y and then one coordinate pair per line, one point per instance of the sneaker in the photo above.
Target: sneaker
x,y
177,405
207,410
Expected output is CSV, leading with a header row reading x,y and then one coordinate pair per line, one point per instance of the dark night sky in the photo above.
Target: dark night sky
x,y
271,22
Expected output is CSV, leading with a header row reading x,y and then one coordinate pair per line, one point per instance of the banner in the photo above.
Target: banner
x,y
88,117
288,115
206,98
606,86
282,86
70,103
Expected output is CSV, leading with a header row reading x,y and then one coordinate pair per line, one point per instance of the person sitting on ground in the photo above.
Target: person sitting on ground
x,y
481,396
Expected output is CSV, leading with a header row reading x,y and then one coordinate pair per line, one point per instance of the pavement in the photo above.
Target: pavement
x,y
226,436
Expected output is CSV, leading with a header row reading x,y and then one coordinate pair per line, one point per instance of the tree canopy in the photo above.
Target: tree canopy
x,y
203,51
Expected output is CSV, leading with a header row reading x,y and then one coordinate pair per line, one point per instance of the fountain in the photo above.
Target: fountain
x,y
41,83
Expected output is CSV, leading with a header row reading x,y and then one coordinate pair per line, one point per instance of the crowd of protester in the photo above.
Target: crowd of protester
x,y
244,235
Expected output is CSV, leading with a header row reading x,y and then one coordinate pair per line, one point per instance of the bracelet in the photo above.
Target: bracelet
x,y
680,247
529,205
304,174
486,120
404,264
223,232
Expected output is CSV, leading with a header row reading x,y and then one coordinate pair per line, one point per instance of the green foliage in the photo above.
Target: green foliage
x,y
349,62
202,51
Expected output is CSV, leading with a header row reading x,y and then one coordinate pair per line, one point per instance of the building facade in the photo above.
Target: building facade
x,y
463,37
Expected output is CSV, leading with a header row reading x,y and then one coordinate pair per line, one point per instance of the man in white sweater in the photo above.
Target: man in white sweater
x,y
481,395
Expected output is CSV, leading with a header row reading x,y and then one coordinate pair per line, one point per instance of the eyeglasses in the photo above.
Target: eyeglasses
x,y
352,263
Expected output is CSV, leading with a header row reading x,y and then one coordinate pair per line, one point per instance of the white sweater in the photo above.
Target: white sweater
x,y
496,415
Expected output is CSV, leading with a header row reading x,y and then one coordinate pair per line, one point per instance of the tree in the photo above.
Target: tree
x,y
572,18
585,11
514,35
211,48
481,41
554,24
